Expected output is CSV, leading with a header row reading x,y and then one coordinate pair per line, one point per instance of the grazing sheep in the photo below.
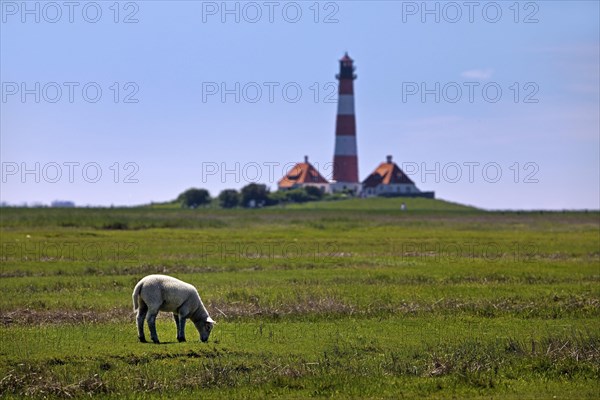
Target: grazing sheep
x,y
156,293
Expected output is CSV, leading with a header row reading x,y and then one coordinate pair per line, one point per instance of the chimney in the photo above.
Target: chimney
x,y
305,159
389,159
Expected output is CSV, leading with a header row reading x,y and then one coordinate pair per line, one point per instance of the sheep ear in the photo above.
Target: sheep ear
x,y
209,319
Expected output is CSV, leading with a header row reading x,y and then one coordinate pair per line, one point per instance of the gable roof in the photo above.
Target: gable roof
x,y
387,173
300,174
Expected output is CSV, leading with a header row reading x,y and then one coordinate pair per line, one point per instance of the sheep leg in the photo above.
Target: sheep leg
x,y
183,312
141,316
181,330
176,318
151,318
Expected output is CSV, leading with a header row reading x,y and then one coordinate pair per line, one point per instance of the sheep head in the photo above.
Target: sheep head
x,y
205,327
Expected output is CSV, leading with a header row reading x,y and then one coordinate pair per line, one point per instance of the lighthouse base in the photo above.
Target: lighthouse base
x,y
354,188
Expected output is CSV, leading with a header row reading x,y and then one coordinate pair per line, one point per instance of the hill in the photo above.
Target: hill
x,y
173,216
384,204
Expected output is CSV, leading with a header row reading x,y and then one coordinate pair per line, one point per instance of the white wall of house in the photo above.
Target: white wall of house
x,y
341,186
399,188
324,187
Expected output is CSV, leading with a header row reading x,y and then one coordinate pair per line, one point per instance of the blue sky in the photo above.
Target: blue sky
x,y
493,104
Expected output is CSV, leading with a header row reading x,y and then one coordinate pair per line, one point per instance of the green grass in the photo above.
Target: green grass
x,y
384,204
349,299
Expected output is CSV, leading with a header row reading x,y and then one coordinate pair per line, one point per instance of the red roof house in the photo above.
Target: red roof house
x,y
301,175
389,179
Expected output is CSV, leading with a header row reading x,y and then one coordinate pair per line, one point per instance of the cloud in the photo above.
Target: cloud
x,y
479,74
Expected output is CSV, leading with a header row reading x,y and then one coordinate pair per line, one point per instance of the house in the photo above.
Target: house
x,y
389,180
302,175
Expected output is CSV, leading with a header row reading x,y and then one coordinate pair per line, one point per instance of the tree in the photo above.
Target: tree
x,y
193,198
255,195
229,198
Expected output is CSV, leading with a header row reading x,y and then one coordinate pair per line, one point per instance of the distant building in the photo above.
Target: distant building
x,y
389,180
62,204
302,175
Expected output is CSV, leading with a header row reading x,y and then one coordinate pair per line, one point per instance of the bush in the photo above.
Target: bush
x,y
299,195
314,193
255,195
193,198
278,197
229,198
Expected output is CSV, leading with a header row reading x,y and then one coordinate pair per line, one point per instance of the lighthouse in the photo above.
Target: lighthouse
x,y
387,180
345,158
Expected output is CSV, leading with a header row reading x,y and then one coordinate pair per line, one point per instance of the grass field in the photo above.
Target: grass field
x,y
346,299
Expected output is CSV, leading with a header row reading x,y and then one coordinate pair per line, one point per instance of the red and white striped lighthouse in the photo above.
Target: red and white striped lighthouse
x,y
345,159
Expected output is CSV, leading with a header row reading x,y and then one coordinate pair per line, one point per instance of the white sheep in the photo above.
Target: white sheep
x,y
155,293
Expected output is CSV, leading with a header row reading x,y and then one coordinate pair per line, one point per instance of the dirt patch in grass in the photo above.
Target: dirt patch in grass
x,y
330,306
238,309
49,317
